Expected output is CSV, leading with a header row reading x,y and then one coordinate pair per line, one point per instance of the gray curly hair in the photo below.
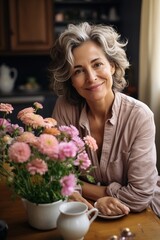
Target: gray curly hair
x,y
62,58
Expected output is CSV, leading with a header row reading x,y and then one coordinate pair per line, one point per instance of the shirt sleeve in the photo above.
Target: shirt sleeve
x,y
141,168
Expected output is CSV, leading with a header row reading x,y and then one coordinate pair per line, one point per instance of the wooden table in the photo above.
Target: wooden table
x,y
145,225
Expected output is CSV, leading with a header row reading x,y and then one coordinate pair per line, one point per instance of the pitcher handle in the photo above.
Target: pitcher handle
x,y
15,72
93,210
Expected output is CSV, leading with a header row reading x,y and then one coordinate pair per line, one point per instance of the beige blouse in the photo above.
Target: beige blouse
x,y
128,161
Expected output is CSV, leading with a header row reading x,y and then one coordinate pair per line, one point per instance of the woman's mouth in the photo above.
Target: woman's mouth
x,y
94,87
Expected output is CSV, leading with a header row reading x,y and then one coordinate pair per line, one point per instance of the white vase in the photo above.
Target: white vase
x,y
42,216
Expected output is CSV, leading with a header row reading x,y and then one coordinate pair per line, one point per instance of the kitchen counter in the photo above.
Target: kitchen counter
x,y
20,100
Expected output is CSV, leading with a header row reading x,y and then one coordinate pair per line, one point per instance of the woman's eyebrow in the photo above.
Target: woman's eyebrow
x,y
92,61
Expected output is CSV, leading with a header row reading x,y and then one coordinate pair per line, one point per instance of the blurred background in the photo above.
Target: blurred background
x,y
29,28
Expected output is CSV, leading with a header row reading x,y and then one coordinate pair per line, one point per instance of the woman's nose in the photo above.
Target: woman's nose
x,y
91,75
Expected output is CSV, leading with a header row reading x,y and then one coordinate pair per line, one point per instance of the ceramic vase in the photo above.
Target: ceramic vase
x,y
42,216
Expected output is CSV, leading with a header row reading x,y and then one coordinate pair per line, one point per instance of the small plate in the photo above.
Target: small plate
x,y
108,216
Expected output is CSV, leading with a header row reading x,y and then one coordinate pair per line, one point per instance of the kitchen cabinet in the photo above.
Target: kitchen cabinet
x,y
3,34
93,11
30,25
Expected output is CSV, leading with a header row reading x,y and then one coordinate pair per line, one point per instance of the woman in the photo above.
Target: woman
x,y
88,68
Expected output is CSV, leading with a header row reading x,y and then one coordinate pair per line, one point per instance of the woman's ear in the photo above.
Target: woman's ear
x,y
112,68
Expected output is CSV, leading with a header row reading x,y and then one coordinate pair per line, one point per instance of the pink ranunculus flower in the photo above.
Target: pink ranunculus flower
x,y
37,166
82,160
90,142
5,107
68,184
67,150
19,152
48,144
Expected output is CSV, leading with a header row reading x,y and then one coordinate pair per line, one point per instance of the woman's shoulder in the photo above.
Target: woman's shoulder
x,y
136,105
65,112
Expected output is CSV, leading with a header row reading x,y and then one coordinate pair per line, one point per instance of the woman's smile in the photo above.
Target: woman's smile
x,y
94,87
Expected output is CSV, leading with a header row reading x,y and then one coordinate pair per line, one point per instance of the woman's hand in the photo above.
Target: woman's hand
x,y
111,206
76,196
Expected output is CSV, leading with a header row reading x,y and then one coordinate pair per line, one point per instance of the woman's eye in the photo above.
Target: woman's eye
x,y
96,65
78,71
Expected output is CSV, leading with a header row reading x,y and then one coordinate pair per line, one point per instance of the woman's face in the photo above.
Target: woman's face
x,y
92,72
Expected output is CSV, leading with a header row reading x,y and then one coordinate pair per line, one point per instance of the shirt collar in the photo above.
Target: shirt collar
x,y
83,121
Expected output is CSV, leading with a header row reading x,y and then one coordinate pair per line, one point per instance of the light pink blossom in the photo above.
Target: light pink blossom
x,y
19,152
49,122
24,111
68,184
37,105
34,120
48,144
91,142
27,137
67,150
37,166
82,160
6,107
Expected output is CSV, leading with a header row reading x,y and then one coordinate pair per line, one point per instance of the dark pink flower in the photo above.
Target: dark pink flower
x,y
82,160
67,150
69,130
68,184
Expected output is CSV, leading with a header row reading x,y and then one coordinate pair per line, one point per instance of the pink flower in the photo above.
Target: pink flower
x,y
27,137
67,149
82,160
37,166
34,120
48,144
4,123
68,184
23,112
37,105
78,142
12,128
69,130
50,122
91,142
5,107
19,152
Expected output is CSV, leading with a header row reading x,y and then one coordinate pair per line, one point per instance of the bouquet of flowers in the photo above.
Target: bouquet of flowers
x,y
40,161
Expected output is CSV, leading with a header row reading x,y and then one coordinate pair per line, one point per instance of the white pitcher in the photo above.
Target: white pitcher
x,y
7,78
75,219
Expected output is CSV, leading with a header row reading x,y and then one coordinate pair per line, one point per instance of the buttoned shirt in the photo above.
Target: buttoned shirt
x,y
127,165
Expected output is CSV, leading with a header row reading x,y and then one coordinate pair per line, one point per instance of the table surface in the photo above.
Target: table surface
x,y
145,225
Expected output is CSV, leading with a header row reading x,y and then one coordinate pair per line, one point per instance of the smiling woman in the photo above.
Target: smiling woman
x,y
88,71
92,72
